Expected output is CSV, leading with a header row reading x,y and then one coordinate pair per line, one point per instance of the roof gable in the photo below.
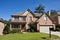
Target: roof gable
x,y
46,15
27,12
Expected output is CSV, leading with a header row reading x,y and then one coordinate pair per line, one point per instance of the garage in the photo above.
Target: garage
x,y
45,28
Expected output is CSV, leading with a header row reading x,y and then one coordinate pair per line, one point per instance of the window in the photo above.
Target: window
x,y
24,18
16,17
45,17
30,18
15,26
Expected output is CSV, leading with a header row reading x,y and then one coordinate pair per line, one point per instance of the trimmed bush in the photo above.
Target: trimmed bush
x,y
15,31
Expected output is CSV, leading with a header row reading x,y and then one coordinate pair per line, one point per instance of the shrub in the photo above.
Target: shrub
x,y
6,30
32,26
15,31
28,30
58,27
7,27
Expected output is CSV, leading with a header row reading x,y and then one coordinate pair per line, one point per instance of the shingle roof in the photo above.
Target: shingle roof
x,y
54,18
22,13
50,17
18,14
37,14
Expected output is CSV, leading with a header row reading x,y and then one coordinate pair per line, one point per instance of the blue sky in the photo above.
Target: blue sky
x,y
9,7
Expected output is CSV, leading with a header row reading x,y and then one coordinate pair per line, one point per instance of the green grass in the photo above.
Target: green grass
x,y
27,36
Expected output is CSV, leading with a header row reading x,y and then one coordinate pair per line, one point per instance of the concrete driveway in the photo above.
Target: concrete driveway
x,y
55,33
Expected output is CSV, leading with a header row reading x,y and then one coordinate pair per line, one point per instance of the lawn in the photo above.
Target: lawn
x,y
27,36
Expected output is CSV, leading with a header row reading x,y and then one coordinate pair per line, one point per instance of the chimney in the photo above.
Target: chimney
x,y
49,13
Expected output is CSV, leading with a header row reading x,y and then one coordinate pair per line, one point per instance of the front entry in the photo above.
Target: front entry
x,y
23,28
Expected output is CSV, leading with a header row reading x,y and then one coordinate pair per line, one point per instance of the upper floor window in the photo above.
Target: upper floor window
x,y
45,17
30,18
24,18
16,17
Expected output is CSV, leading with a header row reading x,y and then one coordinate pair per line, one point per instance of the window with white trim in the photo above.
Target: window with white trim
x,y
23,18
16,17
45,17
30,18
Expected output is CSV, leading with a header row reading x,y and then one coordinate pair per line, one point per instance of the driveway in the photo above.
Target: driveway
x,y
55,33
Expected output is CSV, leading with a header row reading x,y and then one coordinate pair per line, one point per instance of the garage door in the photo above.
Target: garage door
x,y
44,28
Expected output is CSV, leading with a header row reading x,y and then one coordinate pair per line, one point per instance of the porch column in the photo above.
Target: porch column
x,y
20,27
38,27
54,27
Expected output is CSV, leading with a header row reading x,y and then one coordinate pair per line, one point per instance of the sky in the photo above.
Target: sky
x,y
9,7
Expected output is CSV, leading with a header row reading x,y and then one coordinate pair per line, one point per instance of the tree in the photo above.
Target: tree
x,y
6,30
39,9
1,19
7,27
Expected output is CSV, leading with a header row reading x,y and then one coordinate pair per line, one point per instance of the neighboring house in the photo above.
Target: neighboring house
x,y
58,15
21,20
1,27
56,18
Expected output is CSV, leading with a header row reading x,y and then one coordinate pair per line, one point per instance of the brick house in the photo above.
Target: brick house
x,y
22,19
58,17
2,25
